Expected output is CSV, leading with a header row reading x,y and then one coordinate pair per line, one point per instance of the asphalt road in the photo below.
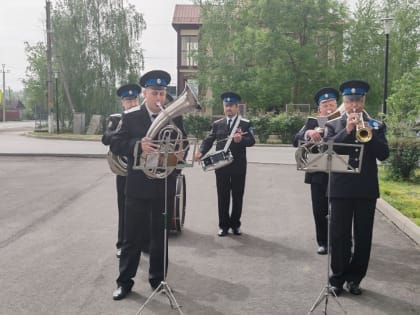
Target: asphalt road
x,y
58,230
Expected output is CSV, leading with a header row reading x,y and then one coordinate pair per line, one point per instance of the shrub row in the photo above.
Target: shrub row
x,y
285,126
404,159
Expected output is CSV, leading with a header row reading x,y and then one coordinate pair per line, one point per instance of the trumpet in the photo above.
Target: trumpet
x,y
363,131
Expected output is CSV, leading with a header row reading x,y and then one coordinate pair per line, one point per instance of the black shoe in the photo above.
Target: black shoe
x,y
222,232
322,250
353,288
118,252
335,290
236,231
121,292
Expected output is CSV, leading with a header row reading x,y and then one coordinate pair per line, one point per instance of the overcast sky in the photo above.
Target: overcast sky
x,y
24,20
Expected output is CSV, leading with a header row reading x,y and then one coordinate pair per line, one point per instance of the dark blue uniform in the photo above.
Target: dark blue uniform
x,y
145,203
319,185
353,202
120,180
230,180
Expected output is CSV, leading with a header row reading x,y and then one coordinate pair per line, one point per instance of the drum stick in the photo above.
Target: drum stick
x,y
242,133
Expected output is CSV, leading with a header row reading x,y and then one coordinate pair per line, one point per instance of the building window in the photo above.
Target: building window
x,y
189,48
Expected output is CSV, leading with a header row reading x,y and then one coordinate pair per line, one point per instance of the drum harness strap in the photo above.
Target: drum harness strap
x,y
238,119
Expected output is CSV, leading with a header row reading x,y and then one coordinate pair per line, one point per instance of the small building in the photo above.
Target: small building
x,y
186,22
14,110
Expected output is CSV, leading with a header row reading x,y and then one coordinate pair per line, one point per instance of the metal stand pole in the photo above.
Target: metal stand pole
x,y
163,287
326,291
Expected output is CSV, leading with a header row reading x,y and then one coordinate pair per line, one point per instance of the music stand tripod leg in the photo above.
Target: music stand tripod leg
x,y
326,291
163,286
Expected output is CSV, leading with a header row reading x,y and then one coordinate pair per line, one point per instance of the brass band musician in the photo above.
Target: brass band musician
x,y
326,99
353,196
230,179
129,98
145,196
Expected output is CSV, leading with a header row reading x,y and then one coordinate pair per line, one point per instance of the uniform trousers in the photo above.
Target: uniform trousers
x,y
120,181
144,220
345,213
230,185
320,211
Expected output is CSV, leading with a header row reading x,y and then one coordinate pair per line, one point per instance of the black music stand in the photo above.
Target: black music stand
x,y
165,148
330,162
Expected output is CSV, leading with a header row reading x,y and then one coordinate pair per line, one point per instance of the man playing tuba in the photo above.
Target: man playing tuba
x,y
129,98
145,196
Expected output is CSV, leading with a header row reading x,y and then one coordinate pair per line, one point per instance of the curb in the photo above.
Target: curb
x,y
404,224
72,155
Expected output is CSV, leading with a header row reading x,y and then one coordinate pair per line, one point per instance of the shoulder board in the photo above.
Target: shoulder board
x,y
310,117
245,120
334,119
132,109
375,124
219,120
118,115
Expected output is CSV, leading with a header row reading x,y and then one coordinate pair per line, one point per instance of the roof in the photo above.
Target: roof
x,y
186,14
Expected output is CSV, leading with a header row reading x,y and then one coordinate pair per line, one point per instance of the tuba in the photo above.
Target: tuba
x,y
117,164
159,165
307,148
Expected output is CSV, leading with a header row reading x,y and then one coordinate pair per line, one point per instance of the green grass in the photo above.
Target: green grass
x,y
65,136
404,196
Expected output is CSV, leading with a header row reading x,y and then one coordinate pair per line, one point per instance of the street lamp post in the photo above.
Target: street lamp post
x,y
3,99
387,29
56,101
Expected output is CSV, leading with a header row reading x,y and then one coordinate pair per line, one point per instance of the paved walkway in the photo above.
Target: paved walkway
x,y
57,255
13,141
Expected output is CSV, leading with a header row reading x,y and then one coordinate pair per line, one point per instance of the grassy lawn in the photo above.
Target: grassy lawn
x,y
403,196
65,136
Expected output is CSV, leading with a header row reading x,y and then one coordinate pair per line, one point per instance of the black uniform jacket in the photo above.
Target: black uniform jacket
x,y
364,184
310,177
111,129
219,133
134,127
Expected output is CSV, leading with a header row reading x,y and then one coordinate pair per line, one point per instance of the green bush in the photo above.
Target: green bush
x,y
403,159
261,126
286,126
197,125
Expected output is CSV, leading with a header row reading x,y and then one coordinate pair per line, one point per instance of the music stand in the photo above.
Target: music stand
x,y
151,161
330,162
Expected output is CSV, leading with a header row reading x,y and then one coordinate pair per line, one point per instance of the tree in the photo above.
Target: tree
x,y
271,52
97,43
365,45
35,82
96,48
404,104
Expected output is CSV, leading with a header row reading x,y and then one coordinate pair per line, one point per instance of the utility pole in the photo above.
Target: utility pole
x,y
4,93
56,101
49,70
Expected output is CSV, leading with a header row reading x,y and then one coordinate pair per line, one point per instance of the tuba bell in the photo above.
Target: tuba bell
x,y
165,160
117,164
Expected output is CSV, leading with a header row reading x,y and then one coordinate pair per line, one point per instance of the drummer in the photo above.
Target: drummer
x,y
230,179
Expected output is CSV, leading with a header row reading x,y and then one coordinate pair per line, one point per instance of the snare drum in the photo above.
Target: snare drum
x,y
216,160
